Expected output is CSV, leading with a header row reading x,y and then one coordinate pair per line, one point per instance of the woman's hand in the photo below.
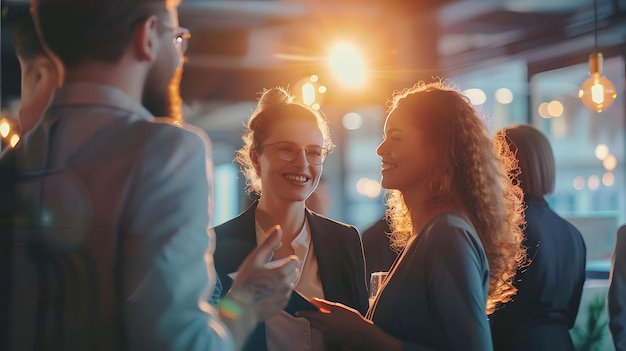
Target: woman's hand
x,y
344,325
338,323
260,289
262,286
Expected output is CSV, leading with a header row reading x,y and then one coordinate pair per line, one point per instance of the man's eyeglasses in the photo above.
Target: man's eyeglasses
x,y
288,152
181,37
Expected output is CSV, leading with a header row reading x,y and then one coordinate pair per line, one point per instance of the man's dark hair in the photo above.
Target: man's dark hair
x,y
25,39
79,30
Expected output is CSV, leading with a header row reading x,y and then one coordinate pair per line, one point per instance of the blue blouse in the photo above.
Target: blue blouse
x,y
436,295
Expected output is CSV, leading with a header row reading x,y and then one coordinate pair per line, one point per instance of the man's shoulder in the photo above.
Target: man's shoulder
x,y
167,123
170,134
173,128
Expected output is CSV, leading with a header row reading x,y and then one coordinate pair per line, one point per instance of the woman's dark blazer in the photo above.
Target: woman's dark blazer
x,y
549,290
337,248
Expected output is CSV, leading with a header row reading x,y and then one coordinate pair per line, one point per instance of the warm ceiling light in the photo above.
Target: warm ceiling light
x,y
308,93
14,139
597,92
348,65
5,128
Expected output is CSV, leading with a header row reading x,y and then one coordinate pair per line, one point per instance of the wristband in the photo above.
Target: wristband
x,y
229,308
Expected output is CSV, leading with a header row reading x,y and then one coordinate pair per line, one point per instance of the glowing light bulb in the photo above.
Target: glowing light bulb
x,y
597,93
308,93
14,140
348,65
5,128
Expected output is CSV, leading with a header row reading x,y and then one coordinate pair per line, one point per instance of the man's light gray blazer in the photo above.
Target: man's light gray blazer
x,y
101,171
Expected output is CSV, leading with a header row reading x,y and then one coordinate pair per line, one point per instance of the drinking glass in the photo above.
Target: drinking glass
x,y
376,284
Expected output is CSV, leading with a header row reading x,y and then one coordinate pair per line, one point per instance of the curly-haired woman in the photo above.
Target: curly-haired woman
x,y
457,218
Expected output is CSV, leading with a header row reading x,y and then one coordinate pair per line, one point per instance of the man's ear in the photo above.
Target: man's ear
x,y
146,39
57,64
41,76
46,73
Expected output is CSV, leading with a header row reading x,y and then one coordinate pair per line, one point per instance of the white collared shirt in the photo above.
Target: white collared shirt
x,y
287,333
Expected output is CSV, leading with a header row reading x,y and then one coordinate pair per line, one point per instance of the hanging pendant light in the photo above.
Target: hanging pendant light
x,y
597,92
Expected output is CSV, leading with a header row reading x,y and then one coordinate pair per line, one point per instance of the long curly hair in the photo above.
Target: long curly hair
x,y
470,168
274,105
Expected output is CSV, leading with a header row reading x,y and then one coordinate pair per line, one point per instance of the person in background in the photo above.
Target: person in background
x,y
379,255
111,248
617,292
549,288
457,218
285,146
40,74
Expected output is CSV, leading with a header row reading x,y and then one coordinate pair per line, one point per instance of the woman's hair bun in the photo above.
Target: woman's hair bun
x,y
274,97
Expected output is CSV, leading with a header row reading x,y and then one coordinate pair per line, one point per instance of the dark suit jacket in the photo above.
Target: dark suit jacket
x,y
376,244
435,295
549,289
337,247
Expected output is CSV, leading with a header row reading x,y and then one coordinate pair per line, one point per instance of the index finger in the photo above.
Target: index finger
x,y
264,251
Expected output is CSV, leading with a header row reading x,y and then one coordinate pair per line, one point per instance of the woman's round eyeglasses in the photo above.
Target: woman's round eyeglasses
x,y
288,152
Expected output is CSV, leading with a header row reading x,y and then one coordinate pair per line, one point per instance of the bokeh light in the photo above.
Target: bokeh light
x,y
5,128
368,187
543,110
555,108
593,182
608,179
504,96
610,162
14,140
308,93
347,65
579,182
601,151
352,121
476,96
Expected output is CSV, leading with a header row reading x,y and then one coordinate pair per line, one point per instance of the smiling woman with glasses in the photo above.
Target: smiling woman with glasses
x,y
285,146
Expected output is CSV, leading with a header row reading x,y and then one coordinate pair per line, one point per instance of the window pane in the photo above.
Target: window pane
x,y
501,92
589,149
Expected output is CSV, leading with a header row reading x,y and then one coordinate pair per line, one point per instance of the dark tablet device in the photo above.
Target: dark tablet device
x,y
298,302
